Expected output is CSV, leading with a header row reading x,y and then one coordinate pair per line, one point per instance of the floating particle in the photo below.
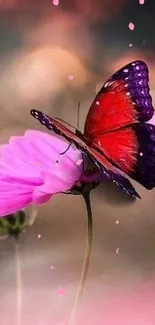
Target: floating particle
x,y
55,2
141,2
52,267
131,26
117,222
39,236
130,45
71,77
79,162
117,250
61,291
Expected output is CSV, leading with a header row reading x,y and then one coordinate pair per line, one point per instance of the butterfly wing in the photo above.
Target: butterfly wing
x,y
58,128
53,125
116,127
124,99
108,171
102,175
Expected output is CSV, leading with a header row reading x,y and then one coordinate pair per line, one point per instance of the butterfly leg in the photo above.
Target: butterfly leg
x,y
62,153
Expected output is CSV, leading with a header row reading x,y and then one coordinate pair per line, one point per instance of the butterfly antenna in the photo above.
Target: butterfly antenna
x,y
78,116
60,119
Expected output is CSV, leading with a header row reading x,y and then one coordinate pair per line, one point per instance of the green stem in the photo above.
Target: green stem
x,y
18,281
86,262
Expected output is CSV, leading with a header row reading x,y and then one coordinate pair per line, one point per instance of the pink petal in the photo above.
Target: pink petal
x,y
14,203
37,170
40,197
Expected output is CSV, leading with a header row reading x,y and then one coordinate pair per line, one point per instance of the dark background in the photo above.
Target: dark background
x,y
41,45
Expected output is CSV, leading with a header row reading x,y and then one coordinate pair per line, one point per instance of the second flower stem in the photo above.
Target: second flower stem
x,y
18,281
86,262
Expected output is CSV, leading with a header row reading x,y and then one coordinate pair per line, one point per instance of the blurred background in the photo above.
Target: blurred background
x,y
53,55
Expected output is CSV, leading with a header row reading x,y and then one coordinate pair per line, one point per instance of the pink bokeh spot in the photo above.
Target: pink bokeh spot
x,y
55,2
117,250
117,222
131,26
39,236
71,77
61,291
52,267
130,45
141,2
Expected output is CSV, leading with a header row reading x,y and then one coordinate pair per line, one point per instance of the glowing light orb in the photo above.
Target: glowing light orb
x,y
39,236
61,291
71,77
141,2
55,2
131,26
117,250
52,267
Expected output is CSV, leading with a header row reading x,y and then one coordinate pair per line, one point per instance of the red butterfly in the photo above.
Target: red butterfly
x,y
116,135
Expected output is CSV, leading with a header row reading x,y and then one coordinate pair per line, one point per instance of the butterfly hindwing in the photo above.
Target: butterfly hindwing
x,y
144,170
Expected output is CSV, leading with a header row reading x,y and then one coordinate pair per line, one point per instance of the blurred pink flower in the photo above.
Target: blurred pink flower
x,y
32,169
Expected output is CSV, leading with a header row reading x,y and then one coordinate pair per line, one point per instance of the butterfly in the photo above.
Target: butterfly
x,y
116,135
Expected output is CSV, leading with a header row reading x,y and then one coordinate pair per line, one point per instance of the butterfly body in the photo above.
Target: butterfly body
x,y
116,135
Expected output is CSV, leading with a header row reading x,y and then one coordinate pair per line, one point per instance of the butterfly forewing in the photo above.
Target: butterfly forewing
x,y
124,99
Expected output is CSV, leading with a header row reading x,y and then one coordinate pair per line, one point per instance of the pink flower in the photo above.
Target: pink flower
x,y
32,170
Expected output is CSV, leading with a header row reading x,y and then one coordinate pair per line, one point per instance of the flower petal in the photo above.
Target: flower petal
x,y
14,203
32,169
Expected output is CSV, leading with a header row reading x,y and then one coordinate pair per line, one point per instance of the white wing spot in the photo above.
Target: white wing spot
x,y
109,83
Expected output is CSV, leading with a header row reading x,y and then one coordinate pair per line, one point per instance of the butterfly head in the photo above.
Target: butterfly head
x,y
79,134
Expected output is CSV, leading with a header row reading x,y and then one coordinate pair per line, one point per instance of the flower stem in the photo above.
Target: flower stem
x,y
18,281
86,262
